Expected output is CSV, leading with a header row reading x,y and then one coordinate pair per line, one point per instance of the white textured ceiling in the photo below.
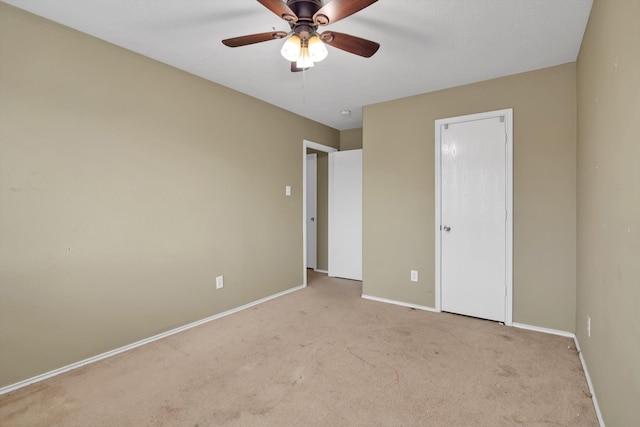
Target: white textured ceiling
x,y
426,45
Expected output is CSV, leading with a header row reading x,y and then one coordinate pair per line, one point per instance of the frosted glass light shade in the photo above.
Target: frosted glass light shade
x,y
317,49
291,48
305,60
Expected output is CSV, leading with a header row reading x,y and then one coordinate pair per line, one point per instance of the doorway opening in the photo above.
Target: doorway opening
x,y
306,146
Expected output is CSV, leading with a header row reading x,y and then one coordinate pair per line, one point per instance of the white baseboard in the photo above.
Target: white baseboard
x,y
110,353
320,271
589,383
403,304
545,330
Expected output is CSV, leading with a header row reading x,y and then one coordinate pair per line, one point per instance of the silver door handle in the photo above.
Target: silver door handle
x,y
446,228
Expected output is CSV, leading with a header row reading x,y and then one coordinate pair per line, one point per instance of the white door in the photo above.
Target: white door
x,y
345,214
473,217
312,228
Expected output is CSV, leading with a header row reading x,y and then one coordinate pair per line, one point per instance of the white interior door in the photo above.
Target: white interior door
x,y
312,227
474,211
345,214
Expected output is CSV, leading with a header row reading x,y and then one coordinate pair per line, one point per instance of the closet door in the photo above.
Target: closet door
x,y
345,214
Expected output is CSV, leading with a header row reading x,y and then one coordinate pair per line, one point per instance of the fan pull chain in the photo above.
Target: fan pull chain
x,y
304,87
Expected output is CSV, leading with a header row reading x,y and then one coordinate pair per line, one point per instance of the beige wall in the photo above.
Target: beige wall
x,y
608,288
126,187
398,198
351,139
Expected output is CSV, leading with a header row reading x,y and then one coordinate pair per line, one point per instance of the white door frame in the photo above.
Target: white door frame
x,y
318,147
508,117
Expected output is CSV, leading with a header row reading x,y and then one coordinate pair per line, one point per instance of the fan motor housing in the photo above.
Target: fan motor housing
x,y
304,9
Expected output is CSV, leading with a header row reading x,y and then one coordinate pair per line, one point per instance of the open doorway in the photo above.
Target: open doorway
x,y
321,232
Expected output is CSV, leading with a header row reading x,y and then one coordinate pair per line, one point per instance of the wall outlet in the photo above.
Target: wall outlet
x,y
414,275
588,326
219,282
287,190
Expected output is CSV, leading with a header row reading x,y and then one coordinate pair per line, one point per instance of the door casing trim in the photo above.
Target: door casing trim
x,y
508,118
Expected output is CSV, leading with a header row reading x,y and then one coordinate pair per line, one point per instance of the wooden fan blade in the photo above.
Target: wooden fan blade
x,y
254,38
281,9
295,69
351,44
336,10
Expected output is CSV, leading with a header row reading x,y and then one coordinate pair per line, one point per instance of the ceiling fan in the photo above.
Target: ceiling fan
x,y
305,44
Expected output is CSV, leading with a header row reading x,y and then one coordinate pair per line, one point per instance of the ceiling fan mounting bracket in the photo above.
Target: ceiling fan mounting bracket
x,y
291,19
327,37
321,19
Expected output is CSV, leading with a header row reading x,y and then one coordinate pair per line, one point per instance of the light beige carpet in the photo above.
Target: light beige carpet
x,y
323,356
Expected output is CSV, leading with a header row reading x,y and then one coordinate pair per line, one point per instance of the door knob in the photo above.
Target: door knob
x,y
446,228
313,219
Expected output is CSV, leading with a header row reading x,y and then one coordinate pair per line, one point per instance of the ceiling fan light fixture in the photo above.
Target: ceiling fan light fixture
x,y
317,49
305,45
291,49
